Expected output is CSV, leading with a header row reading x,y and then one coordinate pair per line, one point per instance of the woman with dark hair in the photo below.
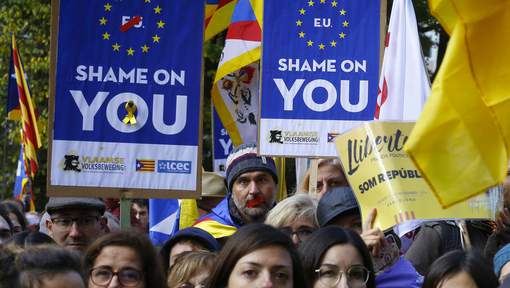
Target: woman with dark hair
x,y
461,269
48,267
19,222
125,259
258,255
333,256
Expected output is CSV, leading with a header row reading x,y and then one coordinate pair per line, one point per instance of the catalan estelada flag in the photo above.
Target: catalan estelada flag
x,y
30,139
145,165
217,16
461,140
22,185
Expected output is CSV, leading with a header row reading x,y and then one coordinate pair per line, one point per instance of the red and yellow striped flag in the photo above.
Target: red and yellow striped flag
x,y
31,140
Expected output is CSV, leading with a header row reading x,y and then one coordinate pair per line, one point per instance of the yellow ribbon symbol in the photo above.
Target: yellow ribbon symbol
x,y
130,117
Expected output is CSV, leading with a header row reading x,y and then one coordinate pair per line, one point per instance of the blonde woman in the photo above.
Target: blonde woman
x,y
191,270
295,216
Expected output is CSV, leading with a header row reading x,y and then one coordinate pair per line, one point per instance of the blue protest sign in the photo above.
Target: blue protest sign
x,y
127,94
222,144
320,63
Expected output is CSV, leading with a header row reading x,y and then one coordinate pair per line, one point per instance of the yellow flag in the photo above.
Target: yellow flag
x,y
461,140
189,213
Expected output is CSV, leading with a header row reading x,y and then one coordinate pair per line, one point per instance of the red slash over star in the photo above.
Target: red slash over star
x,y
134,21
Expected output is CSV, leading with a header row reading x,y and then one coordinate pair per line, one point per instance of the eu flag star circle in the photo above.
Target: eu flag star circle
x,y
321,24
122,31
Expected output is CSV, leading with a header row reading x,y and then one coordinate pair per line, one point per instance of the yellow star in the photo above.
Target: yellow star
x,y
321,46
342,35
333,43
302,11
107,7
116,46
145,48
311,3
345,24
299,23
334,3
103,21
130,51
157,10
106,36
342,12
147,1
301,34
323,1
161,24
309,43
155,38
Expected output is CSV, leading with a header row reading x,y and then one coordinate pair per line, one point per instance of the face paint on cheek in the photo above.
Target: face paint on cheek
x,y
259,199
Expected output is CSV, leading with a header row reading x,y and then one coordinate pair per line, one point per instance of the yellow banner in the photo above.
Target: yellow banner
x,y
383,176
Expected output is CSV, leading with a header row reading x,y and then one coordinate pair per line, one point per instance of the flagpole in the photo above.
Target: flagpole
x,y
4,160
125,213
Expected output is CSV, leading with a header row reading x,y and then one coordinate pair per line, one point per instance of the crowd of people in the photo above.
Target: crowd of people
x,y
246,239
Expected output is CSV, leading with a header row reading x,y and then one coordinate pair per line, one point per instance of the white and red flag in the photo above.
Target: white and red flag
x,y
403,84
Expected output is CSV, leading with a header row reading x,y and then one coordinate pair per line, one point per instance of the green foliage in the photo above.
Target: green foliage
x,y
29,21
212,54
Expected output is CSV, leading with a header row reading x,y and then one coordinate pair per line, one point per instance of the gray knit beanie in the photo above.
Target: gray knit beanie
x,y
244,159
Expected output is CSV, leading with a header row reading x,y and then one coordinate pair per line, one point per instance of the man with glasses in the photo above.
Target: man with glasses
x,y
75,221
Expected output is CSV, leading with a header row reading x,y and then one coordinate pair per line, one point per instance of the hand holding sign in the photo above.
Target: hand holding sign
x,y
373,237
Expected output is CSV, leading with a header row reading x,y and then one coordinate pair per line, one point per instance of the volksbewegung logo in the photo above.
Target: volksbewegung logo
x,y
72,163
94,164
275,136
174,166
293,137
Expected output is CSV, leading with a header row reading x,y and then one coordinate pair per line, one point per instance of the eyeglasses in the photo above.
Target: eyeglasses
x,y
102,276
301,234
329,275
82,221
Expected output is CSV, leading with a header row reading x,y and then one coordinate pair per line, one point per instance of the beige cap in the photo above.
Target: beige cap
x,y
213,185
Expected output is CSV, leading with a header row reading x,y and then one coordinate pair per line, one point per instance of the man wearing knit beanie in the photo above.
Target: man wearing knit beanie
x,y
251,183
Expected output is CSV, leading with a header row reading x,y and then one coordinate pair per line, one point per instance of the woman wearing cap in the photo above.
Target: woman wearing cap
x,y
185,240
258,255
123,259
336,257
